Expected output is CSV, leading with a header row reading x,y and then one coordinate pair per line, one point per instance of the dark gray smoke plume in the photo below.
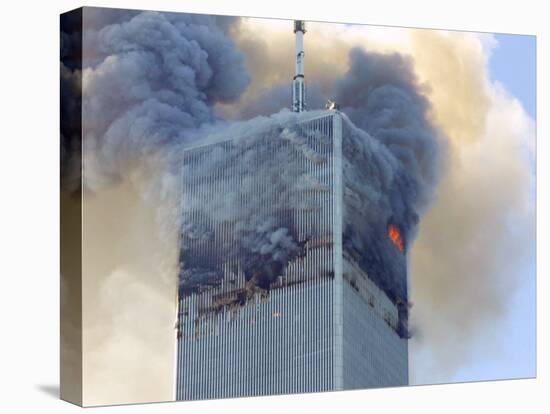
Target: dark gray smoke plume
x,y
393,170
70,100
148,81
380,94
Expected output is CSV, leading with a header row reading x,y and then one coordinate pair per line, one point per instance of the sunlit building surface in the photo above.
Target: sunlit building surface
x,y
272,298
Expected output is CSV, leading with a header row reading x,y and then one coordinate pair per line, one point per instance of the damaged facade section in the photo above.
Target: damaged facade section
x,y
253,210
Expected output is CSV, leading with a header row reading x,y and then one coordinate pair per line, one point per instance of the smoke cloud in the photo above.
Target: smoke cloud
x,y
476,245
150,80
381,95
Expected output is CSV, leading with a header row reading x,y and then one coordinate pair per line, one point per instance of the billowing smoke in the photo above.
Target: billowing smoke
x,y
396,162
381,95
150,80
475,254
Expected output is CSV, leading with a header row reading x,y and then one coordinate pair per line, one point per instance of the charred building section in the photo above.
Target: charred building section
x,y
281,291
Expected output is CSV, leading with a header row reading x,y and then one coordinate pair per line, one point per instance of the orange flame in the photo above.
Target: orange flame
x,y
395,237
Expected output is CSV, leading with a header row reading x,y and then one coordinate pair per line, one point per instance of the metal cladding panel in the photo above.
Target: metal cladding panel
x,y
233,338
374,354
279,346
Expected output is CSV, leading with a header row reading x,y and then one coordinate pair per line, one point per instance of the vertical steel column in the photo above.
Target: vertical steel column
x,y
337,297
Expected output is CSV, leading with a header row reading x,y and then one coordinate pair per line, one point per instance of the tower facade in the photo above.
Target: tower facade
x,y
274,296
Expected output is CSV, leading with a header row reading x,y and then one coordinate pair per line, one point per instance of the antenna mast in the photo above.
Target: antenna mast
x,y
298,84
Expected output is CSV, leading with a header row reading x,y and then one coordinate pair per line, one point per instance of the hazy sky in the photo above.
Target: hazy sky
x,y
518,78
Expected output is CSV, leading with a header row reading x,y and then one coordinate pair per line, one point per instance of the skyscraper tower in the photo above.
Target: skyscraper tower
x,y
298,83
280,292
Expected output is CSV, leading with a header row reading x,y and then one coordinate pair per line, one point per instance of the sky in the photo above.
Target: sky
x,y
518,78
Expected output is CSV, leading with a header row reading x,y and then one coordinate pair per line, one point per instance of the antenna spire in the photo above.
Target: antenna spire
x,y
298,84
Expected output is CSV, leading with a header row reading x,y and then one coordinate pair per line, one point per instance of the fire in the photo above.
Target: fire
x,y
395,237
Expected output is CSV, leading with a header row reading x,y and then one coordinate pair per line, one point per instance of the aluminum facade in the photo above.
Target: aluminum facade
x,y
373,353
303,334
